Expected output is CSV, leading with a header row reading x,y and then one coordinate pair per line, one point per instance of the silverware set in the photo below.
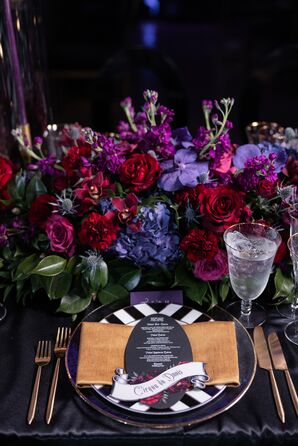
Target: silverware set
x,y
279,363
42,358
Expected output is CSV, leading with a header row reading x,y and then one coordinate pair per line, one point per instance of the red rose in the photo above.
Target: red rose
x,y
41,209
72,161
221,207
266,188
199,244
98,231
139,172
281,252
5,171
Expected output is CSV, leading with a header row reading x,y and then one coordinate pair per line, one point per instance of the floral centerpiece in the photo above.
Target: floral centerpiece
x,y
142,208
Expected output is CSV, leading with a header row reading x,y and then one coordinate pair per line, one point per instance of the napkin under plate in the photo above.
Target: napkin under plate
x,y
102,350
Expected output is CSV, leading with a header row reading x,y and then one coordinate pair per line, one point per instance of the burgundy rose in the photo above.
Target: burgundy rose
x,y
291,170
266,188
61,234
41,209
6,171
139,172
98,231
214,269
221,207
199,244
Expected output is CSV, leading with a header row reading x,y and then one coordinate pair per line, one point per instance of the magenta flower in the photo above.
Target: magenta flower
x,y
61,234
214,269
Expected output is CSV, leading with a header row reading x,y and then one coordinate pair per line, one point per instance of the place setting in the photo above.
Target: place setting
x,y
148,347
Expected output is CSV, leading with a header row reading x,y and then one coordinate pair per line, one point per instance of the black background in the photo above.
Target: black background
x,y
98,52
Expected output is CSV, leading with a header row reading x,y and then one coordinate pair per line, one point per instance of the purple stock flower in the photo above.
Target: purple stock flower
x,y
112,154
38,141
182,171
247,151
47,165
256,168
202,138
207,104
151,96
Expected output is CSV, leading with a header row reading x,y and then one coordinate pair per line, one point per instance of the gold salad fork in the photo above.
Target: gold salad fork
x,y
62,338
42,357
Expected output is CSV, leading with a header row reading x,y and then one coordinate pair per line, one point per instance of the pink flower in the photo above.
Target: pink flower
x,y
61,234
214,269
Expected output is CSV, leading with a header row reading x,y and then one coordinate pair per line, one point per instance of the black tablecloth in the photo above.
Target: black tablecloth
x,y
251,421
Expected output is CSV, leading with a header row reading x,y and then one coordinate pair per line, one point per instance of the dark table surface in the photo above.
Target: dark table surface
x,y
251,421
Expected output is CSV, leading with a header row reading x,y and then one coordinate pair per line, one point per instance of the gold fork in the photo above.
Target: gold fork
x,y
62,337
42,357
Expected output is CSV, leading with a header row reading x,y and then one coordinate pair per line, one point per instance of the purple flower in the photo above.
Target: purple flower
x,y
47,165
207,104
243,153
256,168
182,171
157,241
112,154
214,269
158,140
151,96
247,151
202,138
181,138
3,236
38,141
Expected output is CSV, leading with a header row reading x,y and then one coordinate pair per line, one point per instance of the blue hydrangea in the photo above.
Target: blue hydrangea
x,y
157,242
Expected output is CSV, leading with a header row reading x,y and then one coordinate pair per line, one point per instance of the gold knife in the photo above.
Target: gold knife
x,y
265,363
280,363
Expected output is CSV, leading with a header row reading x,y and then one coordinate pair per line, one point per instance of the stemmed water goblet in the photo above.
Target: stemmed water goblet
x,y
291,329
288,310
251,249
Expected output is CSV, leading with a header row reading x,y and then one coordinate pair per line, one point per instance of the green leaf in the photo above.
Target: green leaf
x,y
20,185
35,188
5,274
6,252
224,288
73,304
197,291
58,286
284,285
130,279
50,266
71,264
111,293
36,283
7,291
26,267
